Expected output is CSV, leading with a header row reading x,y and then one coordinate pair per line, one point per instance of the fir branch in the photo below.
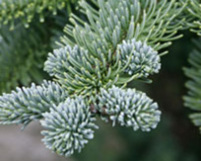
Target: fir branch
x,y
119,43
149,21
144,59
129,108
193,99
84,74
27,104
26,10
69,126
194,16
22,55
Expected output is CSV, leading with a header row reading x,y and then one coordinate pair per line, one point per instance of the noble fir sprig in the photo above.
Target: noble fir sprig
x,y
118,43
69,126
27,104
150,21
74,67
128,108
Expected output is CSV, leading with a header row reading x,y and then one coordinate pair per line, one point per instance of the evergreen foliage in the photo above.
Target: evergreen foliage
x,y
148,21
25,10
143,59
73,67
27,104
194,8
69,126
110,44
193,99
21,67
129,108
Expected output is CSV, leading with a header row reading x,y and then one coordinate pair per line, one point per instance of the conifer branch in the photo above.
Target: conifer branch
x,y
27,104
193,99
129,108
68,126
115,42
22,55
148,21
194,16
26,9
